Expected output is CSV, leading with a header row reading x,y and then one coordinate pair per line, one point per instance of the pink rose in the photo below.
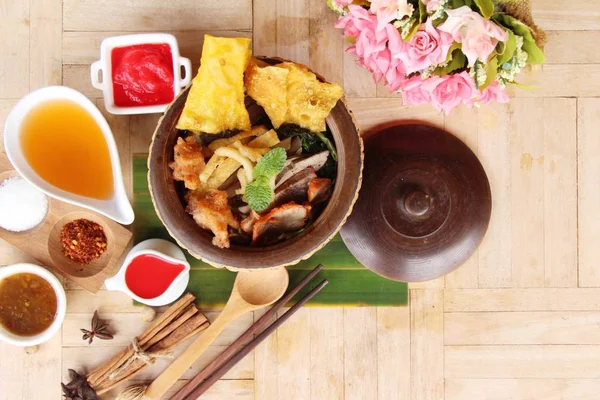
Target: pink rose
x,y
342,3
478,35
493,93
389,10
371,43
413,93
450,91
427,47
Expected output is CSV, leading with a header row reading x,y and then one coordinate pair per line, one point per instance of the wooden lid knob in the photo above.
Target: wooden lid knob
x,y
424,206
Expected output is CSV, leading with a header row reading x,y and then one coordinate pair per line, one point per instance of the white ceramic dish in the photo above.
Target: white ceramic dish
x,y
104,68
61,309
165,250
117,207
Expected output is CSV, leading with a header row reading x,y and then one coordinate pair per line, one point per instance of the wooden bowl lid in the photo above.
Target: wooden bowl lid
x,y
424,206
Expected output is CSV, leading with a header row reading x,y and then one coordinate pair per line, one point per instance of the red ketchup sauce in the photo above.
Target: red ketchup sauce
x,y
148,276
142,75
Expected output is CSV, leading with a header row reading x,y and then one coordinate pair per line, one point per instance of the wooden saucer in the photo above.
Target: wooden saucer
x,y
424,206
43,241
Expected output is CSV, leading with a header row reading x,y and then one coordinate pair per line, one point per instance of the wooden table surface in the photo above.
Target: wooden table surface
x,y
520,320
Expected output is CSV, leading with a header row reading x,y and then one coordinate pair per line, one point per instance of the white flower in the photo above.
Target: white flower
x,y
405,9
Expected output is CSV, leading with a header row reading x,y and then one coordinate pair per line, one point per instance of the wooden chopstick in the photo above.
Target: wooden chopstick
x,y
232,361
239,343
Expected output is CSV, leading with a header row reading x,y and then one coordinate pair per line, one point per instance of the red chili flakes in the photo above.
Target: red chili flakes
x,y
83,241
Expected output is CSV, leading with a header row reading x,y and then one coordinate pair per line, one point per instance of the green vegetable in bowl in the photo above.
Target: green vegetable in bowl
x,y
259,192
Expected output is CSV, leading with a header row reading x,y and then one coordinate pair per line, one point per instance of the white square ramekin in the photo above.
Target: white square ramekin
x,y
104,67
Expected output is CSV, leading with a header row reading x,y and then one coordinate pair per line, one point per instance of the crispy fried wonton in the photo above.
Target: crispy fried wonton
x,y
268,86
188,162
210,209
216,99
309,100
291,93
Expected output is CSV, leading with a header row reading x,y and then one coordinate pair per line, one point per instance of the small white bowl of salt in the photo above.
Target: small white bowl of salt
x,y
22,205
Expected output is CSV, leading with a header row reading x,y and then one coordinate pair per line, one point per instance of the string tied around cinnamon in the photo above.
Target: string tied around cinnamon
x,y
138,354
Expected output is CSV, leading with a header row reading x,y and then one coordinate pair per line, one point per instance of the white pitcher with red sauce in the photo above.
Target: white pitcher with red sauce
x,y
155,273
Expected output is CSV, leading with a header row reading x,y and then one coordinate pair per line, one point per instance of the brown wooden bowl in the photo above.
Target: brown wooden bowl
x,y
170,207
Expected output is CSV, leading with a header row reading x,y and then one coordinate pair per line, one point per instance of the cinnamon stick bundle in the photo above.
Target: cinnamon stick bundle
x,y
181,321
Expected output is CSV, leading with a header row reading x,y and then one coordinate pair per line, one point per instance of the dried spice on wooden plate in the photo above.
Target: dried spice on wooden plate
x,y
99,330
83,241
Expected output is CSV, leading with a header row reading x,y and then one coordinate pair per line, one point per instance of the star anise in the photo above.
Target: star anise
x,y
78,388
98,330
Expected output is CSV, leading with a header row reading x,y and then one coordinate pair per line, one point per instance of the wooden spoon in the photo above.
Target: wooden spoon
x,y
251,291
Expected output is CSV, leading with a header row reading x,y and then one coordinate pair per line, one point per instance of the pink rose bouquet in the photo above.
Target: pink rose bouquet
x,y
439,52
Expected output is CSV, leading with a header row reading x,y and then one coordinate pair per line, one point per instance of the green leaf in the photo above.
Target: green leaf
x,y
271,163
259,193
330,146
422,11
457,3
486,7
413,29
491,71
535,54
506,50
458,61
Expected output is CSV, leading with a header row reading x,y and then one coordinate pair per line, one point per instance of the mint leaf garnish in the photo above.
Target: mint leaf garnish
x,y
271,163
259,193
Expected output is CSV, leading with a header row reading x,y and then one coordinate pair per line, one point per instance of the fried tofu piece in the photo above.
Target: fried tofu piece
x,y
215,102
268,87
210,209
309,101
188,162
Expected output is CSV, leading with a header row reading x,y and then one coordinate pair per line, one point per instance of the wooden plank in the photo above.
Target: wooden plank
x,y
156,15
494,152
45,36
14,63
580,15
568,299
84,47
360,353
124,330
265,366
393,353
5,106
571,47
78,78
23,375
522,389
583,81
293,30
427,344
482,328
89,357
539,361
326,43
588,120
527,193
293,357
264,34
463,123
326,353
141,129
560,192
84,302
358,82
375,114
221,390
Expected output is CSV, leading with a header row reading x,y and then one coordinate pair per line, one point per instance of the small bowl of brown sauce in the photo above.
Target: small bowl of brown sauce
x,y
32,304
